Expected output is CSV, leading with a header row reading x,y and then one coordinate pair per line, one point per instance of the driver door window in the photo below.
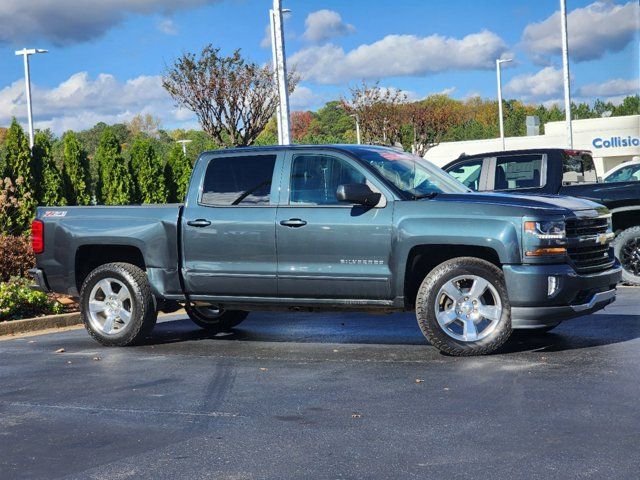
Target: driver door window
x,y
315,179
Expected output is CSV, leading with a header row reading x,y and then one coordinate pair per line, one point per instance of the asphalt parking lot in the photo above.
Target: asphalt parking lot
x,y
325,396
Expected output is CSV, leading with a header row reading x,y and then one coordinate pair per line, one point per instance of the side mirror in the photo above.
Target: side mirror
x,y
358,193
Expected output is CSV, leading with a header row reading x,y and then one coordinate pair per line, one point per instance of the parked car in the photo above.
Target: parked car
x,y
625,172
331,228
556,171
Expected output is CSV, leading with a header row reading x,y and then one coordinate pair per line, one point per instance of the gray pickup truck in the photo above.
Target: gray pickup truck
x,y
331,228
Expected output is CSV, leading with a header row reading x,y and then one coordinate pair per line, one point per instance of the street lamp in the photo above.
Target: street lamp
x,y
280,71
184,145
499,62
25,54
355,115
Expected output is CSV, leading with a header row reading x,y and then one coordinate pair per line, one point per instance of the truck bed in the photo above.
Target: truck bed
x,y
76,237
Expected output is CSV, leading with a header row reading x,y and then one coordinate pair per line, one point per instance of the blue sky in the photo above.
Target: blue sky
x,y
106,57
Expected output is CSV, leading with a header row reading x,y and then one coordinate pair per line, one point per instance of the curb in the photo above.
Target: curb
x,y
14,327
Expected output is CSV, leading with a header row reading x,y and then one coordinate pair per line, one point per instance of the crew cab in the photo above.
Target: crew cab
x,y
557,171
331,228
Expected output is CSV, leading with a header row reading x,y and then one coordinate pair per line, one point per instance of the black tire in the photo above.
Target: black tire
x,y
221,322
627,250
426,307
143,307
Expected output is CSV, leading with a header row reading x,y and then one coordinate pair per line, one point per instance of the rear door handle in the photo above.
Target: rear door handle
x,y
200,222
293,223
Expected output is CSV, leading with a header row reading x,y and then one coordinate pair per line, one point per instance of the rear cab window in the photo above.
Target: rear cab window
x,y
519,171
578,167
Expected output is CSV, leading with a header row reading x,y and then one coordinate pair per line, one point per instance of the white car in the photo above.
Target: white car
x,y
625,172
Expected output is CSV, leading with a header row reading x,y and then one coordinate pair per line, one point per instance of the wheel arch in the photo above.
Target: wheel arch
x,y
88,257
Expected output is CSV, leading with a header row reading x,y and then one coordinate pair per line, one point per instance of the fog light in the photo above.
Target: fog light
x,y
552,286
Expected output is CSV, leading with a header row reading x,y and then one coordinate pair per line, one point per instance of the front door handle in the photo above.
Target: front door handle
x,y
200,222
293,223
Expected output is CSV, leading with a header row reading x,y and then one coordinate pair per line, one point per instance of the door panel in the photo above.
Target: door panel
x,y
228,236
327,249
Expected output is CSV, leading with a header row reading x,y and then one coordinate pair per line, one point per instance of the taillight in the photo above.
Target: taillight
x,y
37,236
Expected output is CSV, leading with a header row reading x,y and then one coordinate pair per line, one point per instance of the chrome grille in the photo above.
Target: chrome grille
x,y
587,254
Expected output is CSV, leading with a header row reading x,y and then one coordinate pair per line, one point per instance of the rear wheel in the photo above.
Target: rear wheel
x,y
627,251
215,319
117,306
463,308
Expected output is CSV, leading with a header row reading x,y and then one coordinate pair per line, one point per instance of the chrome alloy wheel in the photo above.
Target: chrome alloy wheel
x,y
468,308
630,256
110,306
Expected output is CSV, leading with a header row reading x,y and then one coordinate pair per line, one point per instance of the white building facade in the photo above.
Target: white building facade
x,y
612,140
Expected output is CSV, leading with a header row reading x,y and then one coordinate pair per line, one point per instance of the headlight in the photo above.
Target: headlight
x,y
551,230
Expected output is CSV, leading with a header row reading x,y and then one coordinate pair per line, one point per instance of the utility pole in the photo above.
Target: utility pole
x,y
275,71
499,62
281,72
27,80
565,71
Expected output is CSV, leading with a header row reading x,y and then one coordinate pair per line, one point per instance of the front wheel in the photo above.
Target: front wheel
x,y
215,319
627,251
463,308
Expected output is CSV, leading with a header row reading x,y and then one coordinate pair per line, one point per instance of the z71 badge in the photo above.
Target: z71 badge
x,y
55,213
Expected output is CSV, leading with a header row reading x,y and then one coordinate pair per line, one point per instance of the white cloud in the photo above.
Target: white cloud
x,y
398,55
303,98
613,87
167,26
72,21
447,91
324,25
79,102
593,30
541,85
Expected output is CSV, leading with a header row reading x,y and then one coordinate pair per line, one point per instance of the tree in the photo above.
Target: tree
x,y
177,173
75,171
115,185
144,124
147,172
51,185
300,123
431,119
378,110
629,106
18,170
233,99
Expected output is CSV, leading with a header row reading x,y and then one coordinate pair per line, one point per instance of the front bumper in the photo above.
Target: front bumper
x,y
40,280
576,295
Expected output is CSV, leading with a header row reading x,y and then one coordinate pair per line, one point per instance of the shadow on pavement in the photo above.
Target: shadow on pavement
x,y
396,329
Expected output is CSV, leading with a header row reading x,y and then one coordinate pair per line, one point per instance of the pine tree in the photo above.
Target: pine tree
x,y
75,171
50,190
115,185
18,169
148,174
177,174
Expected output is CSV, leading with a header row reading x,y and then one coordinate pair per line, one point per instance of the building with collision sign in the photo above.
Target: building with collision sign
x,y
612,140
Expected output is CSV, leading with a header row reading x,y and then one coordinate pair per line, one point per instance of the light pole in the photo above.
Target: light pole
x,y
499,62
184,145
27,80
355,115
280,64
565,72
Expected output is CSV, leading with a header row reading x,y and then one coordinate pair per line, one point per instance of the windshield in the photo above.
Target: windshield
x,y
412,175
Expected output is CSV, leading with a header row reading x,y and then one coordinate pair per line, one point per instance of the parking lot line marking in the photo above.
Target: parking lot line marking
x,y
120,410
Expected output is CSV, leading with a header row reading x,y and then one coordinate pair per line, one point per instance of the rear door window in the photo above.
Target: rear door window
x,y
518,171
238,181
468,173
